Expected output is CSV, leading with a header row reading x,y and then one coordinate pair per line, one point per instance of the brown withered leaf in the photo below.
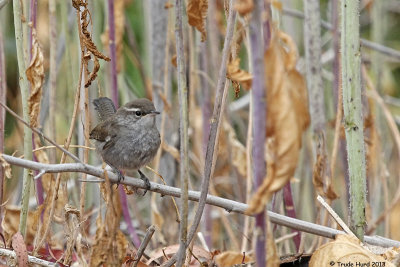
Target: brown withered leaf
x,y
287,117
6,166
235,74
272,255
71,228
323,185
197,12
10,223
345,249
243,7
35,75
230,258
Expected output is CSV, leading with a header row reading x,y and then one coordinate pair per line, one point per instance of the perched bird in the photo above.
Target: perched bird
x,y
127,138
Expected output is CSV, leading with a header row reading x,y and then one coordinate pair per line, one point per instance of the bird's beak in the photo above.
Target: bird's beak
x,y
155,112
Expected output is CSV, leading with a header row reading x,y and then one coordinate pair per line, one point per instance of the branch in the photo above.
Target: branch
x,y
227,204
31,259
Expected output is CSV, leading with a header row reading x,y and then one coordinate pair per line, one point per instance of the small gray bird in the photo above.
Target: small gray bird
x,y
127,138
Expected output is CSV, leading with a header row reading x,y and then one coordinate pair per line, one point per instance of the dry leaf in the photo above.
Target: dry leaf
x,y
71,226
243,7
235,74
6,166
197,13
345,249
229,258
35,75
287,117
323,186
272,251
199,252
10,223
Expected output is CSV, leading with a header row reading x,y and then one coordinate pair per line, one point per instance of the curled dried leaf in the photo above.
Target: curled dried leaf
x,y
35,75
10,223
287,118
197,14
235,74
93,73
320,181
243,7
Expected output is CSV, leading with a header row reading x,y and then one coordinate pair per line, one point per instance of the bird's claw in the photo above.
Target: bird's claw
x,y
121,177
146,181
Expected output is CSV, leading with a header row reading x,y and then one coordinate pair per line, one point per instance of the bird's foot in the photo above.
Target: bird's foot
x,y
145,180
121,177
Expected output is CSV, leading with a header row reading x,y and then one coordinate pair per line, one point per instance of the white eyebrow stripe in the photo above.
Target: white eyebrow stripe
x,y
131,109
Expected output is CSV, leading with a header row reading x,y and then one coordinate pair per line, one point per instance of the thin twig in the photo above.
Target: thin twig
x,y
40,133
227,204
31,259
335,216
143,245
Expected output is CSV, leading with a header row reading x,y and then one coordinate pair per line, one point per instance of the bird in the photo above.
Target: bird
x,y
127,138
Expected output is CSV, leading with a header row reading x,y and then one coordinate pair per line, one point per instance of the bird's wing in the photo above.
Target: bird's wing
x,y
105,107
104,132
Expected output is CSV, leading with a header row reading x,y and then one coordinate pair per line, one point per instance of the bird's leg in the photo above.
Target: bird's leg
x,y
145,180
121,177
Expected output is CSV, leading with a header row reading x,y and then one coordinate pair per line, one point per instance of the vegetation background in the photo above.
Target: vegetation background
x,y
88,224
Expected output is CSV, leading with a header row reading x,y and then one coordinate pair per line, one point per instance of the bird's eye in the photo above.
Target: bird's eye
x,y
138,113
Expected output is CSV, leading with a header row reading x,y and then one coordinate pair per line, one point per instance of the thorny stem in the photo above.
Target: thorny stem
x,y
353,118
23,83
227,204
184,138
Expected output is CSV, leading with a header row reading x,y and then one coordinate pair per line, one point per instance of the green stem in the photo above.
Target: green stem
x,y
352,107
23,83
